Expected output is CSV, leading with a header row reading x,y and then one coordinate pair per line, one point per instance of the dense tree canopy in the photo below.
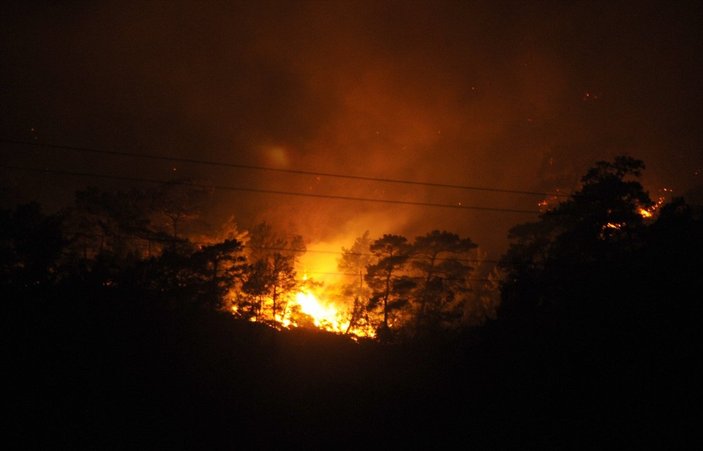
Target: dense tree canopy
x,y
389,286
600,267
440,261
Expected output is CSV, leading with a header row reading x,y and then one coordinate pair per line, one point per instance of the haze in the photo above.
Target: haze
x,y
510,95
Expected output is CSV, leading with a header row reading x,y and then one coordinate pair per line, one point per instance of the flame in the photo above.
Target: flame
x,y
318,302
645,213
319,299
648,213
324,316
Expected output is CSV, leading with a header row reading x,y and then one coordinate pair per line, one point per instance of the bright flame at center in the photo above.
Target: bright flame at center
x,y
323,316
645,213
317,302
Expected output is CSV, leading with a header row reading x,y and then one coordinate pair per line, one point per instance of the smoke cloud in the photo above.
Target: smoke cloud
x,y
513,95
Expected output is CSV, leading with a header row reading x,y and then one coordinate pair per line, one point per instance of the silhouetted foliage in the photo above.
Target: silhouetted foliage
x,y
353,263
482,303
118,223
390,288
439,258
215,270
598,294
561,263
178,203
30,247
671,265
599,330
271,274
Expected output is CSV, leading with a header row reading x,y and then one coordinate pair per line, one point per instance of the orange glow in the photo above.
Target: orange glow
x,y
324,316
318,302
645,213
320,297
549,202
648,213
314,304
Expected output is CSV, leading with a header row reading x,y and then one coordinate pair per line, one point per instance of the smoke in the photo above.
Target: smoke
x,y
508,95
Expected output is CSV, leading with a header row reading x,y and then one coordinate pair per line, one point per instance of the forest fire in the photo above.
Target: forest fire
x,y
324,317
314,305
650,212
319,299
646,214
271,224
308,306
307,310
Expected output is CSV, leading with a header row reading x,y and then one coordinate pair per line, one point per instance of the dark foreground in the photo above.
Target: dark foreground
x,y
120,373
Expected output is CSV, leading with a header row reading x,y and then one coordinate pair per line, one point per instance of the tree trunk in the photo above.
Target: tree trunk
x,y
275,295
385,300
423,297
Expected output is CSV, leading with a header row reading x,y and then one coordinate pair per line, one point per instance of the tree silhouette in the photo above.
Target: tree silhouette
x,y
178,203
354,262
31,244
595,293
271,274
114,226
560,263
439,258
482,305
257,283
670,265
389,287
218,269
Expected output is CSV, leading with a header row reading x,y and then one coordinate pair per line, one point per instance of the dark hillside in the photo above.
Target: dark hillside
x,y
104,371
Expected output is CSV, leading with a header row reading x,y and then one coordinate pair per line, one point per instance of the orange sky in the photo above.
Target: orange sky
x,y
517,95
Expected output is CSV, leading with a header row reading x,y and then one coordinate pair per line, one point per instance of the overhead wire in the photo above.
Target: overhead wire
x,y
275,192
150,156
458,206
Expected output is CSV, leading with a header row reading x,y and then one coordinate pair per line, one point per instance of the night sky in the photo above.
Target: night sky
x,y
511,95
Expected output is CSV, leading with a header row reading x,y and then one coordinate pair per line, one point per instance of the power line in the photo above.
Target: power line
x,y
279,170
458,206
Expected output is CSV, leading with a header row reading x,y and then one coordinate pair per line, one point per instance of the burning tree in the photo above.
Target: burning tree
x,y
354,262
270,277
